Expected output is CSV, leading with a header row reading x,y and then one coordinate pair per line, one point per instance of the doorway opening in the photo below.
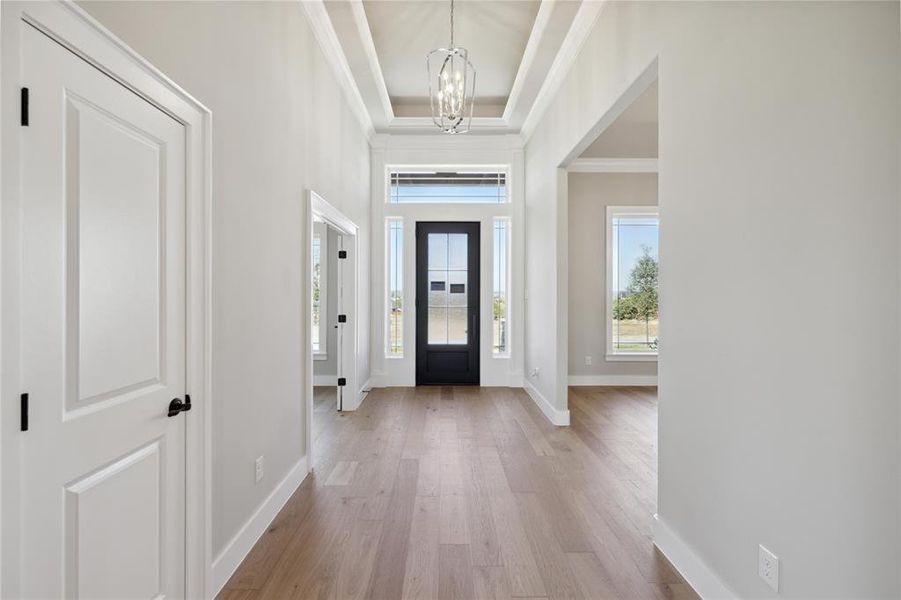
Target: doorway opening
x,y
447,296
332,280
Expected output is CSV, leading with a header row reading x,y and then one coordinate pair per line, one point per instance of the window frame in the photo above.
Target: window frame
x,y
320,232
614,212
391,169
401,266
508,251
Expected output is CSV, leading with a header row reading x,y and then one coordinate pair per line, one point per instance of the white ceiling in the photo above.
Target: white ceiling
x,y
513,45
495,33
634,132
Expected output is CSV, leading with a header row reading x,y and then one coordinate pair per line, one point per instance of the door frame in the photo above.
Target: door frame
x,y
77,31
318,209
473,293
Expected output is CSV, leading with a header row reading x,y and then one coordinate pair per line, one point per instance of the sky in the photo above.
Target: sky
x,y
628,239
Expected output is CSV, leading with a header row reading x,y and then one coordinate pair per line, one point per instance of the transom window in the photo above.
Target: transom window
x,y
632,298
440,186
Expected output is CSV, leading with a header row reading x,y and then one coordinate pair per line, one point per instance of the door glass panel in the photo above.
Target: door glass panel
x,y
438,251
457,251
448,285
437,325
457,288
456,325
437,288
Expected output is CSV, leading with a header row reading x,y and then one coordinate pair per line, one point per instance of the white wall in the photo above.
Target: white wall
x,y
281,125
589,196
779,192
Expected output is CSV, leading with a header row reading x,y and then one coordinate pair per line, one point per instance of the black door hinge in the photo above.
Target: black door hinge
x,y
24,108
342,253
342,318
342,381
23,399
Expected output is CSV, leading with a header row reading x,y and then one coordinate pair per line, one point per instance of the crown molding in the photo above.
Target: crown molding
x,y
581,28
441,141
372,57
613,165
542,19
334,55
426,125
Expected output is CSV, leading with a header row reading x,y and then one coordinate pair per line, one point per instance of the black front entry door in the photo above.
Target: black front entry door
x,y
447,303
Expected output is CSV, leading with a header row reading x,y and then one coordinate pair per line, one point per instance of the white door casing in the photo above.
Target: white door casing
x,y
98,401
103,335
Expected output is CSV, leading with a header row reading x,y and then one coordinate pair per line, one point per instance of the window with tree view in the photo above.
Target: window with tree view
x,y
632,257
500,327
395,316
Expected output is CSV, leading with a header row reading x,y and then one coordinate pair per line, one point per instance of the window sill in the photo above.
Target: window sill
x,y
320,356
500,355
631,357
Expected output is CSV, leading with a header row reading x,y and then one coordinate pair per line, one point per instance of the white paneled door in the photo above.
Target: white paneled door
x,y
103,335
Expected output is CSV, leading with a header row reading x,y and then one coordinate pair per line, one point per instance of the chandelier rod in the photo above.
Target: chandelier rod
x,y
452,23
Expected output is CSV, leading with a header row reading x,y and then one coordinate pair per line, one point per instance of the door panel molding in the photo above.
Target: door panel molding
x,y
68,25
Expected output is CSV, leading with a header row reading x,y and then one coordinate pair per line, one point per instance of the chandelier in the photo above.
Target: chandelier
x,y
452,83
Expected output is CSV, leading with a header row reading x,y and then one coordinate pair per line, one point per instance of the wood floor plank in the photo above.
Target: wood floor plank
x,y
490,583
358,559
421,570
454,573
444,492
387,579
589,575
343,473
453,519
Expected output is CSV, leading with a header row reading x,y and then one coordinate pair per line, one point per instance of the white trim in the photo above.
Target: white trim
x,y
542,19
555,416
77,31
617,380
320,356
631,357
613,211
613,165
426,124
372,57
325,380
582,25
693,569
228,561
333,53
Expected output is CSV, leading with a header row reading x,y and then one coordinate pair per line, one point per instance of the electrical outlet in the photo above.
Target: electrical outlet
x,y
768,567
588,361
258,467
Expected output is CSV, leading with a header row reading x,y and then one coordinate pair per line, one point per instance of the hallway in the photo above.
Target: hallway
x,y
466,492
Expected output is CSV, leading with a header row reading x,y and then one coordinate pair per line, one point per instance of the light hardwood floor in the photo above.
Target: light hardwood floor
x,y
466,492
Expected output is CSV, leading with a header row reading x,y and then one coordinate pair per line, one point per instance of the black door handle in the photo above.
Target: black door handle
x,y
177,406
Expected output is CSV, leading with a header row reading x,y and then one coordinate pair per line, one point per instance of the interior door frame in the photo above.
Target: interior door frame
x,y
318,209
77,31
474,301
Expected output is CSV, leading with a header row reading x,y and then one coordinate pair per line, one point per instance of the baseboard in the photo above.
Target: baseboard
x,y
225,564
366,386
619,380
555,416
325,380
694,570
